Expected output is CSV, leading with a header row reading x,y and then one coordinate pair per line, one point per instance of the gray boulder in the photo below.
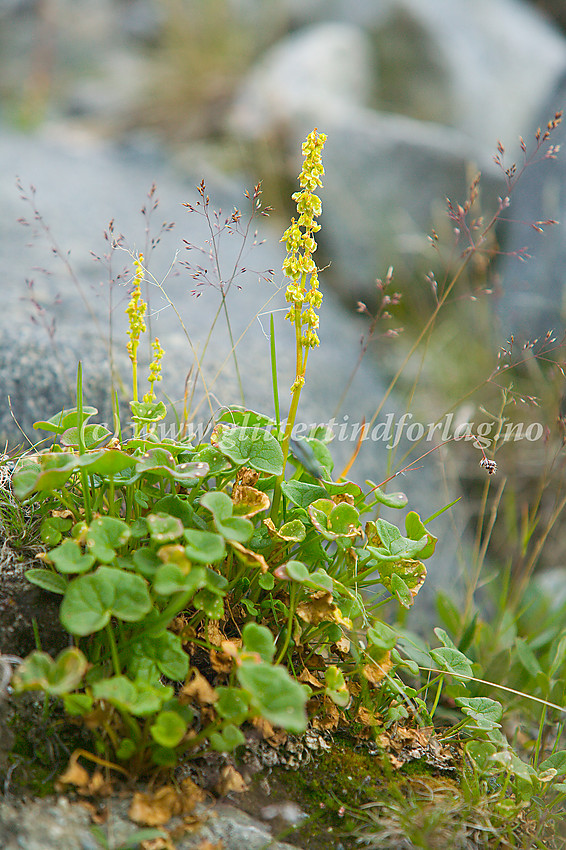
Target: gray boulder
x,y
317,72
499,58
532,267
459,74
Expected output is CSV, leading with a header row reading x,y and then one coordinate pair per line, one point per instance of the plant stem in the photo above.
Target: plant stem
x,y
284,648
113,649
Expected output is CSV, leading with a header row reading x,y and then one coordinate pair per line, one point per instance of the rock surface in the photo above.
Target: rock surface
x,y
56,824
448,80
533,297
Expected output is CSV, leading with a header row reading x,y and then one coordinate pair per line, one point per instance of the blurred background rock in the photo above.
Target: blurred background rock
x,y
98,100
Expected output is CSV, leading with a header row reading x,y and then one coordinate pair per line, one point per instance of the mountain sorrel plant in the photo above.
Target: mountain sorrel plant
x,y
204,584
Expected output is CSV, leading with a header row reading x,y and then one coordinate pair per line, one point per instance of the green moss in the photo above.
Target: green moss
x,y
331,789
37,747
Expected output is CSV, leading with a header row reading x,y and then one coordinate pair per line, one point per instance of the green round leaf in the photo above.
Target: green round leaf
x,y
258,639
107,462
266,581
302,494
391,500
50,473
452,661
486,712
210,603
275,695
382,636
296,571
164,528
93,435
231,704
230,527
169,729
253,447
65,419
139,698
131,596
146,412
105,535
204,547
91,600
171,578
52,528
87,606
227,740
147,562
40,672
69,557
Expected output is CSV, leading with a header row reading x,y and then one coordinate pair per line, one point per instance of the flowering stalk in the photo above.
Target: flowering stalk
x,y
135,312
303,292
154,369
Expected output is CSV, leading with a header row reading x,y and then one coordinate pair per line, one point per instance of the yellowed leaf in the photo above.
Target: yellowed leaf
x,y
155,809
367,717
248,557
376,671
338,498
214,633
191,794
230,780
248,501
263,726
269,524
342,646
75,774
247,476
220,662
326,716
309,679
174,553
197,687
98,786
319,608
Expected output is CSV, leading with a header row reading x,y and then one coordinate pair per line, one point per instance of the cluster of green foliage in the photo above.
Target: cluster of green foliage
x,y
143,530
240,561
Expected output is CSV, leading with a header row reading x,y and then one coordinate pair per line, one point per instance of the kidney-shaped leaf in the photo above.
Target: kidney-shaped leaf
x,y
230,527
275,695
106,534
205,547
164,528
137,697
91,600
169,729
254,447
40,672
69,557
486,712
44,472
65,419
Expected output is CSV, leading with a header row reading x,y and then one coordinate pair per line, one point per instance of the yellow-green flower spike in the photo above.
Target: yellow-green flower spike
x,y
301,244
135,312
136,309
154,369
302,294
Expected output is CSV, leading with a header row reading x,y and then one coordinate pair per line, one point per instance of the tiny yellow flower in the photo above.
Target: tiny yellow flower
x,y
136,310
154,369
300,244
